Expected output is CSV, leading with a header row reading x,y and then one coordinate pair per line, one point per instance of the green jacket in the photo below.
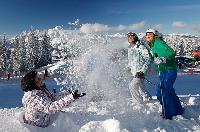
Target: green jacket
x,y
163,50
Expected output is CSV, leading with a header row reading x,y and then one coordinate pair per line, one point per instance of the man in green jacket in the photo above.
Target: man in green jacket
x,y
164,57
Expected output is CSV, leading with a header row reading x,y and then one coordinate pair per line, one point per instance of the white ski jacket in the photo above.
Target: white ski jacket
x,y
39,108
139,58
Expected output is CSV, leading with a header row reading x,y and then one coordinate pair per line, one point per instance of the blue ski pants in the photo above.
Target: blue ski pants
x,y
172,104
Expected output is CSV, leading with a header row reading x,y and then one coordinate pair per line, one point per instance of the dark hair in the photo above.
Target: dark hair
x,y
28,81
135,37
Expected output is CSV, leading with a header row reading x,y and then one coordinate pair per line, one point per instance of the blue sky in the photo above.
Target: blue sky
x,y
179,16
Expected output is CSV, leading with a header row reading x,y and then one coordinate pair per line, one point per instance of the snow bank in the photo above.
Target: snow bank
x,y
110,125
89,117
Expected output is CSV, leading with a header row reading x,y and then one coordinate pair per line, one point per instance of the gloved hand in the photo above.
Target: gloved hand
x,y
75,94
54,90
159,60
139,75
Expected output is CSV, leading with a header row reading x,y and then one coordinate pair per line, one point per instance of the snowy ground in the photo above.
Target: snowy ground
x,y
106,116
185,85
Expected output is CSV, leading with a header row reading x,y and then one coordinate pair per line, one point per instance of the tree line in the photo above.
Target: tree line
x,y
29,50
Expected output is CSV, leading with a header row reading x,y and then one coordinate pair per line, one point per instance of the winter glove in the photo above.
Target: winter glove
x,y
139,75
75,94
54,90
159,60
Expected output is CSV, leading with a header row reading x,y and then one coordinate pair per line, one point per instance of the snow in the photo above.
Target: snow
x,y
94,126
98,117
105,116
100,71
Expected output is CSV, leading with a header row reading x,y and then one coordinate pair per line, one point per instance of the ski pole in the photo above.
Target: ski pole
x,y
161,92
149,81
54,90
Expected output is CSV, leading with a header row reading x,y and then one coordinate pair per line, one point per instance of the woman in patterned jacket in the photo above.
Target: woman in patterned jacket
x,y
139,60
39,103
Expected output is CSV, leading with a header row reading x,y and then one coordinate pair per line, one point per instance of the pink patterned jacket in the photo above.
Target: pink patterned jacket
x,y
39,108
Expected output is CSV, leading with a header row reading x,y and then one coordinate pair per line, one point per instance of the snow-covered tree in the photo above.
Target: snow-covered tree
x,y
16,54
182,44
45,50
3,55
33,50
23,53
181,50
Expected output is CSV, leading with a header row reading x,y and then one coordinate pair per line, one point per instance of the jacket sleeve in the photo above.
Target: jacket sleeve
x,y
48,106
129,57
61,94
147,59
166,52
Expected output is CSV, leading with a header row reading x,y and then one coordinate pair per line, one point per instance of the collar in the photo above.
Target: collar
x,y
152,44
135,45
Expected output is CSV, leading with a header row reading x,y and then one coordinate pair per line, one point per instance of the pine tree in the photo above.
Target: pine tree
x,y
3,55
23,54
46,49
16,54
181,49
33,50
